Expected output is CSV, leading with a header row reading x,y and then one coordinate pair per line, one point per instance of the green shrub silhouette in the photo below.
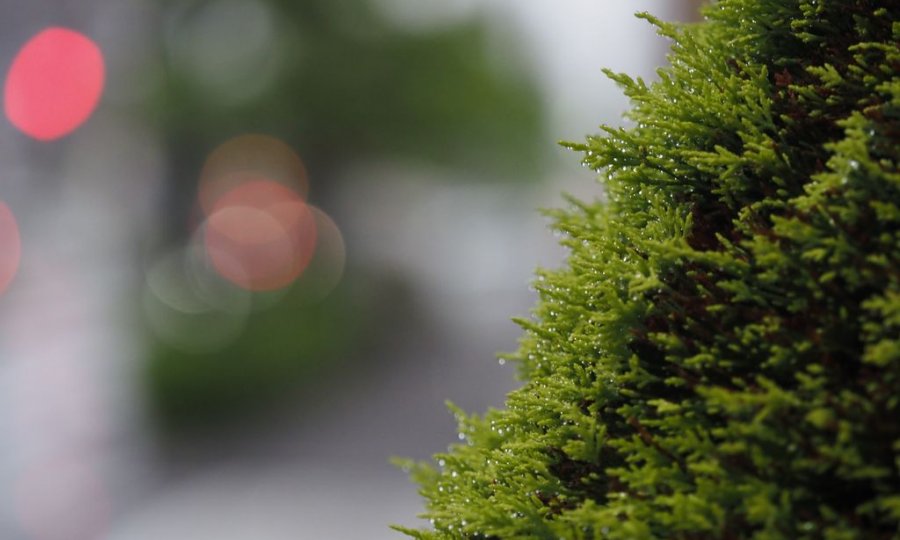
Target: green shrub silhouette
x,y
720,357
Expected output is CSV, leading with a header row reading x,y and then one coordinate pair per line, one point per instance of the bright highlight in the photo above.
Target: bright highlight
x,y
54,83
260,235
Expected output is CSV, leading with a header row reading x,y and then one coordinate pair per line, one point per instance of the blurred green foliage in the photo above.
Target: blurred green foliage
x,y
286,347
350,85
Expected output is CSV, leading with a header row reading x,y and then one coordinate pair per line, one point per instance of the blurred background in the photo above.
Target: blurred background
x,y
248,248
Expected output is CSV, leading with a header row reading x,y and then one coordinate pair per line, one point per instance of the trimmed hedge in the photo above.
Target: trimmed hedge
x,y
720,357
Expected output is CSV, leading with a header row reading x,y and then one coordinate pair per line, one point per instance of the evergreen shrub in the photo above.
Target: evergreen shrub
x,y
720,356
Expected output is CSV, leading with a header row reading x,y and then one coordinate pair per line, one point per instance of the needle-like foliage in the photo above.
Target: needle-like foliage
x,y
720,356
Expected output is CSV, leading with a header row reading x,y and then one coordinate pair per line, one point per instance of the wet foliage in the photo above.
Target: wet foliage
x,y
720,357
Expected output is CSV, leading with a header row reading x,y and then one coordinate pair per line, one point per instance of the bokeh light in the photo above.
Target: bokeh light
x,y
260,235
258,231
228,49
10,246
189,306
326,268
54,83
246,157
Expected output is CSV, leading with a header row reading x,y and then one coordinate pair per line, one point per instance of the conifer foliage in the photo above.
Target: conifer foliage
x,y
720,356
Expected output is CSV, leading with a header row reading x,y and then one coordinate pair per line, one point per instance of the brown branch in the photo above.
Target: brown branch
x,y
650,441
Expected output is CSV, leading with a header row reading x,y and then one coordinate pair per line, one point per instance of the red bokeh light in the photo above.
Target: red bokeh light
x,y
260,235
10,246
54,83
245,158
